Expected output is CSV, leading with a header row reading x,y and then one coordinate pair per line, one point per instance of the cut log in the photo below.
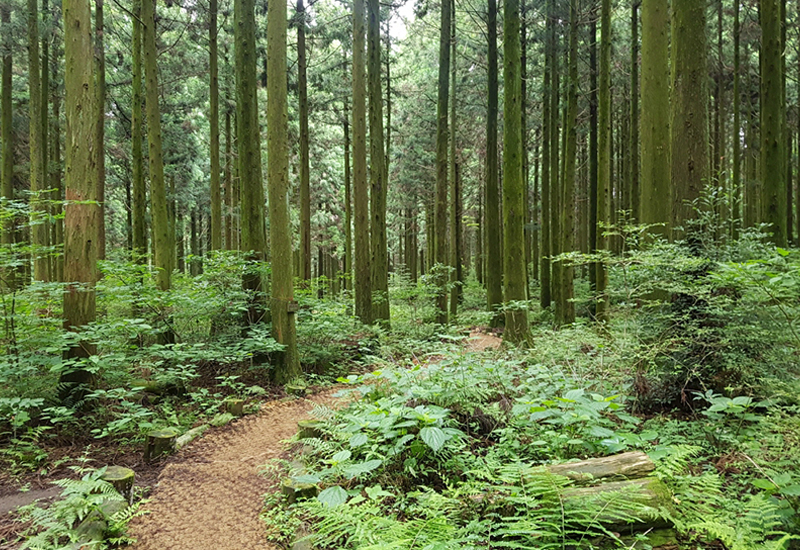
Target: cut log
x,y
235,406
190,436
159,443
640,503
307,429
296,390
293,490
626,465
122,479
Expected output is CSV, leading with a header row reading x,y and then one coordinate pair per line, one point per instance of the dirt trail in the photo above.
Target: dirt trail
x,y
210,495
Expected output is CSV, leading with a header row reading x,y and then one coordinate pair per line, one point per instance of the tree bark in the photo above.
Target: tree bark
x,y
82,213
100,131
493,229
440,243
6,131
633,165
736,184
280,229
213,76
305,178
604,158
689,116
363,290
38,182
773,142
249,145
655,131
514,276
456,275
379,264
139,198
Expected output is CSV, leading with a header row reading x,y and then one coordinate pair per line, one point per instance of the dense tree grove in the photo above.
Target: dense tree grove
x,y
246,174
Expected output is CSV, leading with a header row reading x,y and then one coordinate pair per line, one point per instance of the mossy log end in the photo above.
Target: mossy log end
x,y
122,479
637,503
307,429
625,465
293,490
235,406
159,443
296,390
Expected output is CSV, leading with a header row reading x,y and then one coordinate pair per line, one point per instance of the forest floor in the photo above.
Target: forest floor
x,y
210,494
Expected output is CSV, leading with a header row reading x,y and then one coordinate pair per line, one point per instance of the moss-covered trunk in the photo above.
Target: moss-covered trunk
x,y
492,225
213,93
304,168
139,191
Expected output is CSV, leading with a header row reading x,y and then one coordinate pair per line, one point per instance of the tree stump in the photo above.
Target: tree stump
x,y
293,490
307,429
160,442
122,479
295,389
235,406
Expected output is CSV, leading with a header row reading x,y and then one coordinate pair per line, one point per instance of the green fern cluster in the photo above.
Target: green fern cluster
x,y
57,526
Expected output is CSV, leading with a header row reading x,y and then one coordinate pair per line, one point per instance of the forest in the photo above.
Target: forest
x,y
411,274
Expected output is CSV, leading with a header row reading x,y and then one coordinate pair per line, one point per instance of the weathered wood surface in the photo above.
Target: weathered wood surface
x,y
122,479
635,502
160,442
625,465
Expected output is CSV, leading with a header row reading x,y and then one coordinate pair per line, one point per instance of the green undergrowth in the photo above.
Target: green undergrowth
x,y
452,454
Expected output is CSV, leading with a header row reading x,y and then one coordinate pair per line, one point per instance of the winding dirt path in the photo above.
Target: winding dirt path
x,y
210,495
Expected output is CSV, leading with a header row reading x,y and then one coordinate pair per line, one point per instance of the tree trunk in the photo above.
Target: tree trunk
x,y
162,239
348,205
363,291
655,132
6,131
213,70
139,207
633,167
773,142
231,240
249,145
493,230
736,184
565,310
100,132
82,213
56,177
593,148
604,160
455,191
38,182
305,178
379,265
283,305
689,117
440,245
514,276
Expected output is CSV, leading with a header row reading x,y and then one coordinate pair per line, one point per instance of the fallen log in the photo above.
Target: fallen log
x,y
625,465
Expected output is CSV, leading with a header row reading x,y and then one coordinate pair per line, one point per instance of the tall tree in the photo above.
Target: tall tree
x,y
655,130
6,122
633,166
348,201
38,183
514,276
593,144
82,213
440,222
565,310
736,184
249,145
139,198
379,264
100,129
603,157
773,141
689,115
213,92
305,174
283,306
493,228
363,291
162,240
456,253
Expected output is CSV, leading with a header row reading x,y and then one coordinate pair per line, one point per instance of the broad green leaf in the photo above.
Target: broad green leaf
x,y
333,496
434,437
358,440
